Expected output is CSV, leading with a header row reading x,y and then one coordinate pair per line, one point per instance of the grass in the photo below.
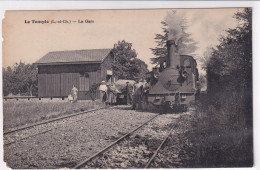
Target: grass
x,y
221,136
23,112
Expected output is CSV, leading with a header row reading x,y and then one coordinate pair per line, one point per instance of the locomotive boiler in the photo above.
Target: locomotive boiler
x,y
175,87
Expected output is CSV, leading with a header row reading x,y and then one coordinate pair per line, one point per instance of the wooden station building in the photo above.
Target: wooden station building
x,y
58,71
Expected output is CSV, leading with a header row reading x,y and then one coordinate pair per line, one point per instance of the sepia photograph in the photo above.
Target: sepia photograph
x,y
128,88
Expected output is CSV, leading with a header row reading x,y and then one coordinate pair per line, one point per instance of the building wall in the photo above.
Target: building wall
x,y
58,80
106,65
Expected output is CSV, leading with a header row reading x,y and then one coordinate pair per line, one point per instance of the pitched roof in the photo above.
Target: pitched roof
x,y
75,56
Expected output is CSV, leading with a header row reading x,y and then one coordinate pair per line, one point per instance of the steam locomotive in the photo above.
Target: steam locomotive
x,y
175,87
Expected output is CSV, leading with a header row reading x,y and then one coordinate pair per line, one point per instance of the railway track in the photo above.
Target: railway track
x,y
46,122
160,146
106,149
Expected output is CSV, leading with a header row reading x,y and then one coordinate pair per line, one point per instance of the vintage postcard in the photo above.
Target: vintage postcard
x,y
150,88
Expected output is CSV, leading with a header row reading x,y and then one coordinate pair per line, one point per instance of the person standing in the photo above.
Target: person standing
x,y
145,102
111,94
137,97
128,94
103,91
74,93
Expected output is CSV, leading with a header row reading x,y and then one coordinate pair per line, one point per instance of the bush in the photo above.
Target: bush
x,y
220,135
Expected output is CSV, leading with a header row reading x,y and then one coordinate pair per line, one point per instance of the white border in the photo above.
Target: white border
x,y
74,5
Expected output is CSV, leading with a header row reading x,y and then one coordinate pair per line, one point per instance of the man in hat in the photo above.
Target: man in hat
x,y
103,91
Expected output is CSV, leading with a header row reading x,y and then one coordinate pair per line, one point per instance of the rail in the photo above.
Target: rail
x,y
31,97
18,97
112,144
157,150
48,121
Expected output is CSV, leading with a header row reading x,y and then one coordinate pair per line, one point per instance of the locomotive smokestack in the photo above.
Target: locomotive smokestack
x,y
173,58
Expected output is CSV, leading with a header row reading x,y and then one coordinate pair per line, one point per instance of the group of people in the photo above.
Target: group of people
x,y
140,95
108,93
136,95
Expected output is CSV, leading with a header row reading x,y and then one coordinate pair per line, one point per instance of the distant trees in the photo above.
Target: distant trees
x,y
20,79
127,65
174,28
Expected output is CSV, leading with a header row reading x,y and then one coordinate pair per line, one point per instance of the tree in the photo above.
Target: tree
x,y
229,91
174,28
127,65
229,70
20,79
7,80
232,58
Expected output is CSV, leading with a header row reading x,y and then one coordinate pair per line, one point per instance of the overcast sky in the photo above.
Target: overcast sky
x,y
29,42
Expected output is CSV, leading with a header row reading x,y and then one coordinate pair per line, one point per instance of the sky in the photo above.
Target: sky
x,y
28,42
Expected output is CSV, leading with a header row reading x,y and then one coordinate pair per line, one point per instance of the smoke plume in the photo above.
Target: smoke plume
x,y
176,24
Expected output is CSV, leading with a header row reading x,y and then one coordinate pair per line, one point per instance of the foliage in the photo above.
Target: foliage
x,y
222,126
174,28
127,65
229,70
93,90
20,79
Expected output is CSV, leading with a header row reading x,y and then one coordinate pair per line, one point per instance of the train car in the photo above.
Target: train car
x,y
175,87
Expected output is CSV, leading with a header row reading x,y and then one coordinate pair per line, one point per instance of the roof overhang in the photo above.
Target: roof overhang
x,y
68,63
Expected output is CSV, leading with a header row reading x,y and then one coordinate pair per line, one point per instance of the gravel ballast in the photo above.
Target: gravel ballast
x,y
135,151
70,143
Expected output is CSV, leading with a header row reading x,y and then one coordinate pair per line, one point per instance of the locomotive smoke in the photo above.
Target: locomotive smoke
x,y
175,24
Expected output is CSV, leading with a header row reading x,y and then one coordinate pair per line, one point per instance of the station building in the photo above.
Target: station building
x,y
58,71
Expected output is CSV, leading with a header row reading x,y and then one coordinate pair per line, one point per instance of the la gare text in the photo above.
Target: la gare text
x,y
57,21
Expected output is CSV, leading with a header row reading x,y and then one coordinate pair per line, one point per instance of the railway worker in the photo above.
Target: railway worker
x,y
146,87
136,85
128,93
103,91
137,98
138,95
74,93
